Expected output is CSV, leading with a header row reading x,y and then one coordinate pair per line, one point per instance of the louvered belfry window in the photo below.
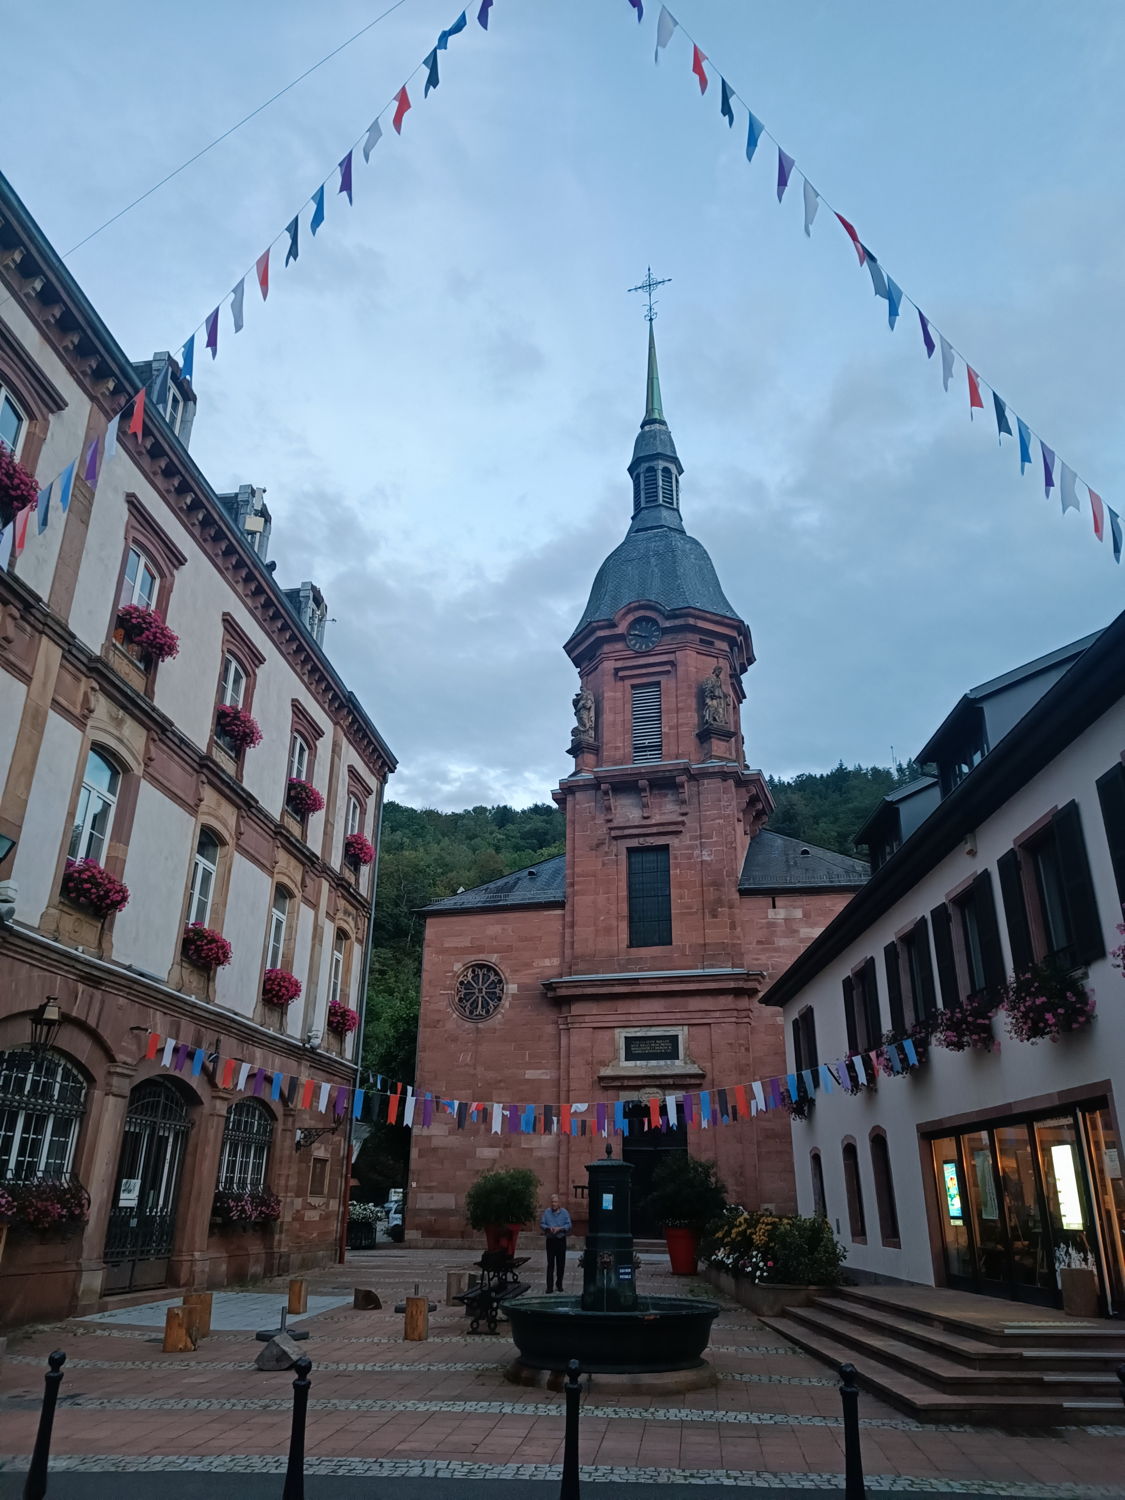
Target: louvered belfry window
x,y
667,487
648,740
651,481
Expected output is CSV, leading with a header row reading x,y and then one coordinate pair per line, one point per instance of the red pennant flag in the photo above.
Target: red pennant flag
x,y
697,60
402,104
262,266
1098,512
564,1119
227,1080
654,1112
307,1093
974,389
850,229
153,1046
136,425
19,540
392,1107
742,1102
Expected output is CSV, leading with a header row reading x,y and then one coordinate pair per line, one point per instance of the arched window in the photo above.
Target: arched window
x,y
884,1189
204,869
336,976
298,757
820,1203
247,1135
233,688
279,915
354,821
140,582
93,816
856,1220
42,1101
12,421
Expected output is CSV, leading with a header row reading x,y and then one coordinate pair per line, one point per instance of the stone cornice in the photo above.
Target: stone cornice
x,y
680,984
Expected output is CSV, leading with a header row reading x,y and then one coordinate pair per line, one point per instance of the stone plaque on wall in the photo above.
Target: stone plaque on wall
x,y
656,1047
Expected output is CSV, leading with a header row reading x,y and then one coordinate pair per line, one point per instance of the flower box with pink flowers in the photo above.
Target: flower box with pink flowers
x,y
302,798
236,728
1047,1002
245,1208
358,850
44,1206
85,883
280,988
342,1019
18,488
145,629
201,946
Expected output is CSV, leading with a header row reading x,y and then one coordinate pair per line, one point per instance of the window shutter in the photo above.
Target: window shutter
x,y
849,1014
798,1061
921,939
1074,867
1015,909
648,739
992,956
871,1003
894,989
1111,795
812,1056
942,926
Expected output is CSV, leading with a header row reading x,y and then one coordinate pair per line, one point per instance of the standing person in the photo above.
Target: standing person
x,y
555,1225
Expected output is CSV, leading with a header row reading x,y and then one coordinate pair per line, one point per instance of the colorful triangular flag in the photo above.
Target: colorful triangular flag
x,y
784,169
665,26
402,104
317,201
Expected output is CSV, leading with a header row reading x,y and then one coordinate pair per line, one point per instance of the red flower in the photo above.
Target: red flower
x,y
280,988
146,628
237,726
341,1018
302,797
210,950
358,849
18,487
85,883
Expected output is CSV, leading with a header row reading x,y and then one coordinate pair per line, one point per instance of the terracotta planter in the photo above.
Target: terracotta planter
x,y
1080,1293
502,1237
683,1250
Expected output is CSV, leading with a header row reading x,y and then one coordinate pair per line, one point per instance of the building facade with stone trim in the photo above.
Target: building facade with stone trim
x,y
632,965
108,754
992,1169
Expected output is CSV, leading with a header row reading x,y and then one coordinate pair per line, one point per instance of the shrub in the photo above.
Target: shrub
x,y
280,988
1045,1002
86,884
508,1195
146,628
341,1018
358,850
786,1250
245,1208
238,727
199,945
364,1213
686,1193
302,797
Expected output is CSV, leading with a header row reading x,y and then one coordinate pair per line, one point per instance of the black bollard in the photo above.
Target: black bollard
x,y
573,1389
35,1486
853,1461
295,1473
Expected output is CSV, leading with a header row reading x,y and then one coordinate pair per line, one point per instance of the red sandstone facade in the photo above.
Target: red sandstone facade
x,y
659,766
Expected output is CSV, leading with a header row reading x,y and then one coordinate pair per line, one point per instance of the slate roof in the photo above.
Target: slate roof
x,y
659,563
543,884
775,862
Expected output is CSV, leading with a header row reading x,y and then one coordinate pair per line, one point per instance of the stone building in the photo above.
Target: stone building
x,y
109,755
631,966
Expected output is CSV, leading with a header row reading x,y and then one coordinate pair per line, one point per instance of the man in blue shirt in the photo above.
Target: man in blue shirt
x,y
555,1225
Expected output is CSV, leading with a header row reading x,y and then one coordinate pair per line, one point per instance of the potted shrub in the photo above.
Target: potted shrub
x,y
145,629
358,850
302,798
1046,1002
86,884
1078,1276
500,1202
280,988
686,1195
768,1262
341,1018
18,487
201,946
237,729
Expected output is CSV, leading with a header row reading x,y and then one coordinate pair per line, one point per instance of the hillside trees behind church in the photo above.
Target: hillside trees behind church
x,y
827,808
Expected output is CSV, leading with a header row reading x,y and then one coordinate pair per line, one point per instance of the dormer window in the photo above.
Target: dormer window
x,y
174,408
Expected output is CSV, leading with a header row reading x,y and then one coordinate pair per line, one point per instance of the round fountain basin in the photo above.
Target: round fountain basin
x,y
664,1333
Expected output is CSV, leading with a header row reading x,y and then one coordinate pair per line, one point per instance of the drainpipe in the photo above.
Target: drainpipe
x,y
342,1228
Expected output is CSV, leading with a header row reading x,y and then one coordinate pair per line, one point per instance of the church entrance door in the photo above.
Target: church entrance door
x,y
644,1149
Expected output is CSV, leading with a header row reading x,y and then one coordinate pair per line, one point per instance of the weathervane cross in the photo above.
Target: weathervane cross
x,y
648,286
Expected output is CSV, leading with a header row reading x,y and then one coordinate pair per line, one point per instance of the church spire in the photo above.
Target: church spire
x,y
654,412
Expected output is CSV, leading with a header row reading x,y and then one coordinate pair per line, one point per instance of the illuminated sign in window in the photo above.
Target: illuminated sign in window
x,y
1066,1185
952,1190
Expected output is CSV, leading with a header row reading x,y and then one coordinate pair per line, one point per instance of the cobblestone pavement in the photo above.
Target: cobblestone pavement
x,y
440,1415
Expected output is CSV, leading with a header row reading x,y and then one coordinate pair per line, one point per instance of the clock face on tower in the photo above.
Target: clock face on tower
x,y
643,634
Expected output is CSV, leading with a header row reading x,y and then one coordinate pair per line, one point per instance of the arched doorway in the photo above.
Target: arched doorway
x,y
142,1221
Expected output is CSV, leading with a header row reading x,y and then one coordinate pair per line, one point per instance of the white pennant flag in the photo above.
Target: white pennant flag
x,y
111,438
322,1102
759,1097
169,1048
672,1104
236,297
243,1075
860,1071
664,29
374,136
1067,493
812,203
408,1108
946,361
497,1114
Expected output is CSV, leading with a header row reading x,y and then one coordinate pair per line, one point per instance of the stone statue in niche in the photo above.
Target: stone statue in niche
x,y
583,731
716,703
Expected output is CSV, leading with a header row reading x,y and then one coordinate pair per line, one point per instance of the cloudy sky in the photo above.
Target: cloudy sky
x,y
441,396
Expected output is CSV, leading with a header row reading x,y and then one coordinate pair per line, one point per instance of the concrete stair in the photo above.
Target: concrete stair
x,y
942,1357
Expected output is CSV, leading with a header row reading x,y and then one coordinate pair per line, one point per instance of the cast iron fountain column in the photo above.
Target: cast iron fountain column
x,y
608,1284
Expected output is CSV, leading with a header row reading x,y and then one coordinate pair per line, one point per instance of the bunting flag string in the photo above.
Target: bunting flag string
x,y
667,26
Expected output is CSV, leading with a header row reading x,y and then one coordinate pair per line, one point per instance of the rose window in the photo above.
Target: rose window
x,y
480,989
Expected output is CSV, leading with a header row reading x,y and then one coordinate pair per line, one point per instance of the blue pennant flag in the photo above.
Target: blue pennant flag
x,y
454,30
43,505
1002,423
726,109
432,79
1025,443
66,483
791,1085
894,301
318,209
875,271
1115,529
753,136
187,359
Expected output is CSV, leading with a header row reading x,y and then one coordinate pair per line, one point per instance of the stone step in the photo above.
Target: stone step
x,y
1013,1323
971,1350
926,1404
947,1375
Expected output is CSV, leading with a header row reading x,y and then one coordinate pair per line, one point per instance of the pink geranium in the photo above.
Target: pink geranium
x,y
1046,1002
237,726
210,950
341,1018
280,988
146,628
302,797
18,487
359,850
86,884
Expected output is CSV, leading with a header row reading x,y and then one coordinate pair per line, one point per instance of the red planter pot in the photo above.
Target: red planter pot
x,y
683,1251
501,1237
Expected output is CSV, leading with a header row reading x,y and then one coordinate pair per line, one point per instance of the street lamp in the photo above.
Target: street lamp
x,y
45,1023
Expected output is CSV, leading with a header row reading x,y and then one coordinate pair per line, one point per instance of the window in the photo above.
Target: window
x,y
336,974
233,687
820,1202
12,422
1070,927
204,868
667,487
648,738
298,758
174,408
318,1177
861,1008
353,823
650,898
1111,795
980,937
141,581
920,971
804,1040
94,813
247,1135
479,992
279,915
857,1223
884,1190
1052,903
42,1101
